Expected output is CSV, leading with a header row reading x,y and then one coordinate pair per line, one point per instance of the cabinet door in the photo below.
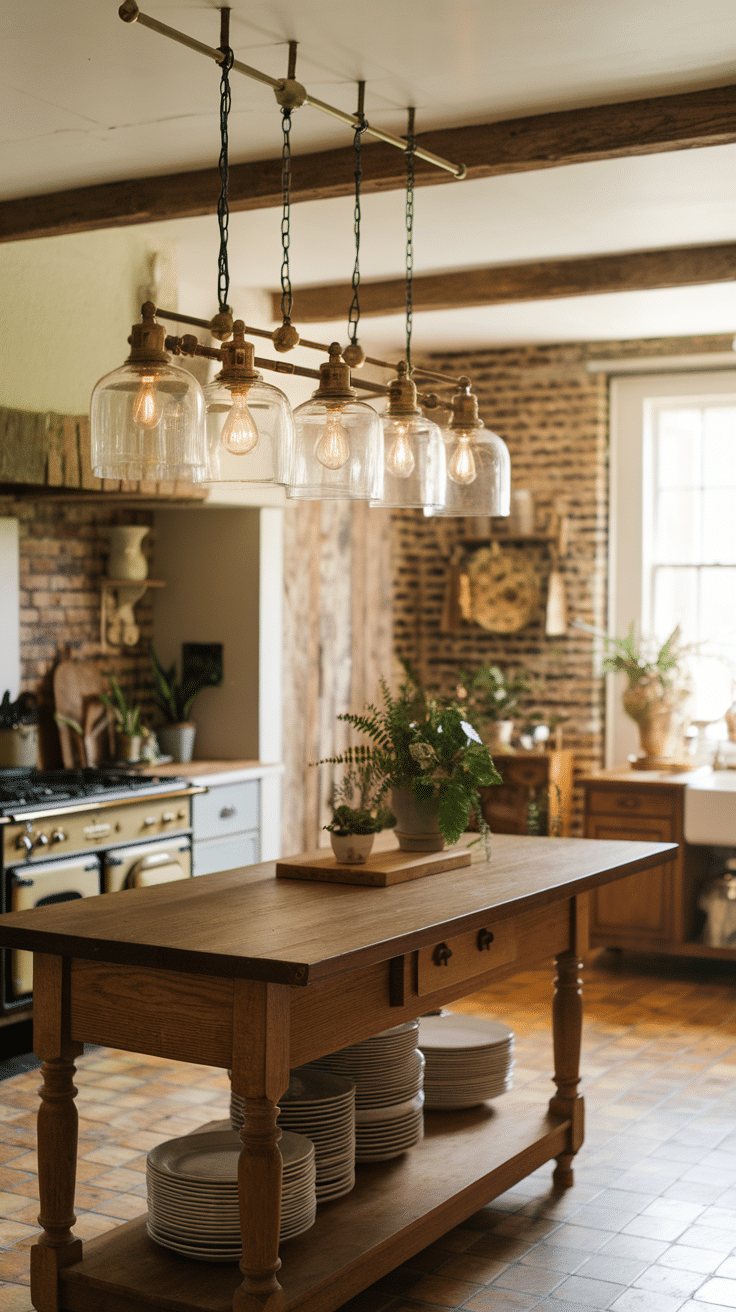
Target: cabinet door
x,y
637,910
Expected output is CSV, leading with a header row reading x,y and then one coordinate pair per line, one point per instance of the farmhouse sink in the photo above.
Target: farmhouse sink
x,y
710,808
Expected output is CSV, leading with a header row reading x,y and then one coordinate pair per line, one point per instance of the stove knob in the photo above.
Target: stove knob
x,y
42,840
182,815
25,841
58,836
148,821
167,817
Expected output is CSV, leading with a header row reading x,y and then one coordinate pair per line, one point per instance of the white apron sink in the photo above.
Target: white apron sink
x,y
710,808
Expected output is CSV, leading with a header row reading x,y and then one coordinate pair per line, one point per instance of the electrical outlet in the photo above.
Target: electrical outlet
x,y
201,662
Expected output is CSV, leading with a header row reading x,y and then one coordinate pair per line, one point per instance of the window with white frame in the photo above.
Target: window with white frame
x,y
673,530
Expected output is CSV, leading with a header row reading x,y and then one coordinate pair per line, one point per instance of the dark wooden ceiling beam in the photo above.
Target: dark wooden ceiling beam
x,y
540,280
540,141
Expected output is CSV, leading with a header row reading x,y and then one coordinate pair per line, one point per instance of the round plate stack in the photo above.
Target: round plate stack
x,y
468,1060
321,1106
193,1193
387,1070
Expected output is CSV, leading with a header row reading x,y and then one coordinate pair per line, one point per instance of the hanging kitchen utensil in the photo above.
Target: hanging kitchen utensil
x,y
503,590
456,584
556,619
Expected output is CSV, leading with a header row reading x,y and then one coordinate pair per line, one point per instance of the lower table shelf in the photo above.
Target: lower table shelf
x,y
397,1208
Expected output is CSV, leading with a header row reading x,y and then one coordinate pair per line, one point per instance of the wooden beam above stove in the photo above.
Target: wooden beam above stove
x,y
539,280
539,141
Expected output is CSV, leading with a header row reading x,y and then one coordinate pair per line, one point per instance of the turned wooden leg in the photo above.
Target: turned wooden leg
x,y
57,1161
259,1189
567,1025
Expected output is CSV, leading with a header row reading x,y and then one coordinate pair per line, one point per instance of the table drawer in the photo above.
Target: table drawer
x,y
230,809
629,801
463,956
225,853
533,773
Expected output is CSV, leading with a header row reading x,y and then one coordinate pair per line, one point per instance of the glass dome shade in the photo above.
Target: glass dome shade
x,y
147,424
477,473
411,465
337,440
250,433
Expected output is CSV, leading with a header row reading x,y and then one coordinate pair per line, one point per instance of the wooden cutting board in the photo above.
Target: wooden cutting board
x,y
379,871
77,688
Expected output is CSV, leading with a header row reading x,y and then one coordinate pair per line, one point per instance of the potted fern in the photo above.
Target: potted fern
x,y
426,752
493,696
358,813
174,699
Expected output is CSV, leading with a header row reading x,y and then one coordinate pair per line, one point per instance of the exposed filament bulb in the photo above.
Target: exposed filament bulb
x,y
146,410
400,460
461,468
333,450
239,433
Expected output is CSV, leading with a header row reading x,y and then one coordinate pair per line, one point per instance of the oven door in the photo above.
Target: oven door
x,y
38,886
147,863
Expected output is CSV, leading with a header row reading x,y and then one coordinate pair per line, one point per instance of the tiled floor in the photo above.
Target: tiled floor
x,y
650,1225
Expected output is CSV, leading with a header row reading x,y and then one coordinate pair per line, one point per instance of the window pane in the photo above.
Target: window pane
x,y
678,448
675,531
711,688
718,608
719,446
675,601
719,525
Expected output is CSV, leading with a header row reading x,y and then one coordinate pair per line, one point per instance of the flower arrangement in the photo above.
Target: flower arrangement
x,y
492,694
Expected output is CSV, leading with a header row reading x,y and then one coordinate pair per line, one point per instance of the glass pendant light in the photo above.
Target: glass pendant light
x,y
147,418
337,440
411,468
477,465
250,433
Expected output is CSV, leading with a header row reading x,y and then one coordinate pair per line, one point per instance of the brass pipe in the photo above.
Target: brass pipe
x,y
130,13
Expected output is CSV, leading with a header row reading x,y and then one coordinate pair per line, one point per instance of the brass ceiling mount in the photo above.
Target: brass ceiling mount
x,y
237,361
465,407
334,380
402,394
221,326
147,339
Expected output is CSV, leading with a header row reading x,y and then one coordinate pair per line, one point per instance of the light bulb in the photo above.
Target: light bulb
x,y
461,468
400,460
146,411
333,450
239,433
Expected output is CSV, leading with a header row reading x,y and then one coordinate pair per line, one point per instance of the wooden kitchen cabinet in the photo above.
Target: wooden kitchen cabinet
x,y
535,796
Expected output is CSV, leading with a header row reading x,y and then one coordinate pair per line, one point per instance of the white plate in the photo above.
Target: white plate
x,y
453,1031
213,1158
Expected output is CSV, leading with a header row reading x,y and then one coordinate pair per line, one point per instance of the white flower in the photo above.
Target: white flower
x,y
469,732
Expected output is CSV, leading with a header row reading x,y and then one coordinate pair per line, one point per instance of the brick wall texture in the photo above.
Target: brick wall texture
x,y
63,551
553,414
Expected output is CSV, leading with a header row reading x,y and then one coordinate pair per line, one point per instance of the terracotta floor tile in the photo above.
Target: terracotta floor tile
x,y
528,1279
15,1298
443,1291
499,1300
477,1268
589,1293
11,1231
670,1280
643,1300
15,1267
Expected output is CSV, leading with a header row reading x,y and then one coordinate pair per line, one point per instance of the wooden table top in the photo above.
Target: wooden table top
x,y
248,924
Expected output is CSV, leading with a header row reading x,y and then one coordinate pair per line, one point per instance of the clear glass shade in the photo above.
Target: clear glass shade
x,y
147,425
411,469
477,477
250,434
337,451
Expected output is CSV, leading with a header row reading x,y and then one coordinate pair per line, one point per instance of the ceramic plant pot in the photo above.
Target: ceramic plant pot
x,y
128,746
177,741
417,822
498,736
19,745
126,559
352,849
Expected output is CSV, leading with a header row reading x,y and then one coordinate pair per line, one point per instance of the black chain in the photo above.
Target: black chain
x,y
223,209
410,148
286,297
354,312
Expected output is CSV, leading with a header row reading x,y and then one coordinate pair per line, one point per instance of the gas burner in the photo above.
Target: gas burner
x,y
24,788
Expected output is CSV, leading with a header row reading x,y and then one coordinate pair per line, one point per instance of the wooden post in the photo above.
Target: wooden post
x,y
567,1024
260,1075
56,1247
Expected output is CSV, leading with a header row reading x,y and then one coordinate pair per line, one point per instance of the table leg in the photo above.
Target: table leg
x,y
57,1126
260,1075
567,1024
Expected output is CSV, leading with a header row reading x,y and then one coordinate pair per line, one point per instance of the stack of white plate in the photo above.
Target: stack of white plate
x,y
468,1060
321,1106
193,1193
388,1072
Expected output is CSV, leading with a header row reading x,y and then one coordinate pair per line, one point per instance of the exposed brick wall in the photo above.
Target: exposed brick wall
x,y
553,414
63,551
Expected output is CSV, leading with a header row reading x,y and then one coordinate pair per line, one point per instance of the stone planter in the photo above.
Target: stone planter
x,y
417,823
177,741
352,849
659,715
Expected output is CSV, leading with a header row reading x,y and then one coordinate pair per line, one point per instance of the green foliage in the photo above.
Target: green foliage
x,y
425,744
492,694
173,697
352,820
638,664
127,717
362,784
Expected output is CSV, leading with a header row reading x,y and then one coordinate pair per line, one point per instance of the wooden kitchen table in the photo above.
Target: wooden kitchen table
x,y
245,971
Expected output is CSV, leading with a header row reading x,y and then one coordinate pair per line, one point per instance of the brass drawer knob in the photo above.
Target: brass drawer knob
x,y
441,954
484,940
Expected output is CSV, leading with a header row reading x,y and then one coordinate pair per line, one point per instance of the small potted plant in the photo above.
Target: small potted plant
x,y
492,697
426,751
174,699
354,827
657,688
129,730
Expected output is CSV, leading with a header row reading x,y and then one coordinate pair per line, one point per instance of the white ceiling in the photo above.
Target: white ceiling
x,y
86,99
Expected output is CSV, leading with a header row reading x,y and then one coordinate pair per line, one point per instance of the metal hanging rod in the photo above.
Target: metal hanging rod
x,y
130,13
312,346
